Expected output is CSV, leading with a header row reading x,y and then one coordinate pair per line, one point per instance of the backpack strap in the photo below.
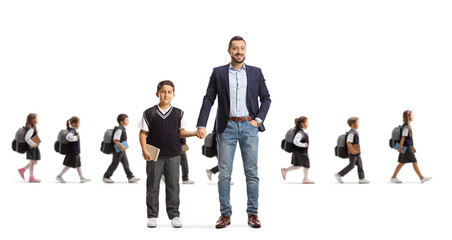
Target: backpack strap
x,y
153,113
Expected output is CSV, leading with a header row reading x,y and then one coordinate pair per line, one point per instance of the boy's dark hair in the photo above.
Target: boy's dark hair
x,y
235,38
121,117
165,82
352,121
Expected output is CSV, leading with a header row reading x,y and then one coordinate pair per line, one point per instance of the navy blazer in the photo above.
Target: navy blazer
x,y
219,85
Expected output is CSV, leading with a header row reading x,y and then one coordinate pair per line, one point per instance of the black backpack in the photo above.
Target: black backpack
x,y
62,145
287,143
341,149
107,146
395,136
19,145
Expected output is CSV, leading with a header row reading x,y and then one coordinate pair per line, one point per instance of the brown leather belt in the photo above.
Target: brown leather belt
x,y
241,119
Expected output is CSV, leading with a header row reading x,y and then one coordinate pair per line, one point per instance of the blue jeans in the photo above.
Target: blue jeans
x,y
247,136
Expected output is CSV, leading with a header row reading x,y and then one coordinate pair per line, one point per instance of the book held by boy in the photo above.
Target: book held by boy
x,y
397,146
153,151
125,144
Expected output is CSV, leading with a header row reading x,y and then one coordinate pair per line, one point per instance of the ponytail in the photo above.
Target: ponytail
x,y
71,121
298,122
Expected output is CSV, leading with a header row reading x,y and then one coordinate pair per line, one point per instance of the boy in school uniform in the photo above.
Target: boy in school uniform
x,y
354,152
162,126
119,137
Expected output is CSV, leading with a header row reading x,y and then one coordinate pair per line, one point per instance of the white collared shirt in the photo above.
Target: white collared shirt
x,y
160,113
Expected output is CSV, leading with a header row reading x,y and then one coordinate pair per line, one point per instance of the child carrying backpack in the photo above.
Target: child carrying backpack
x,y
31,147
407,156
72,159
300,157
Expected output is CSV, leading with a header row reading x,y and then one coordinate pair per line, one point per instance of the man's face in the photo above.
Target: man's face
x,y
237,51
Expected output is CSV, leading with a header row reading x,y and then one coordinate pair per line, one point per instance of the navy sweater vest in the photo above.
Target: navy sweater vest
x,y
164,131
74,147
408,139
123,133
305,139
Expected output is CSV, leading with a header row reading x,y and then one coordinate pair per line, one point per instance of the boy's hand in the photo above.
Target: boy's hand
x,y
147,156
123,149
400,149
201,132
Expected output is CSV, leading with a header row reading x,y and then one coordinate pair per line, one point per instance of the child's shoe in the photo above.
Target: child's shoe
x,y
363,181
152,222
21,172
60,179
425,179
283,173
84,180
338,178
176,223
107,180
209,174
134,179
308,181
34,180
395,180
188,182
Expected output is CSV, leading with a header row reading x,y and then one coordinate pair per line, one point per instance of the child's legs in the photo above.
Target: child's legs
x,y
114,164
184,166
359,163
27,166
125,164
305,173
397,170
154,171
63,171
32,167
353,159
292,168
171,172
416,169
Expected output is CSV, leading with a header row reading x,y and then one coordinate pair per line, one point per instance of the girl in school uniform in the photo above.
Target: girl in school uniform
x,y
407,156
72,159
300,157
33,153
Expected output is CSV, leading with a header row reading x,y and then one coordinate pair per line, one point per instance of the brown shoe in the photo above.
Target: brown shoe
x,y
223,221
253,221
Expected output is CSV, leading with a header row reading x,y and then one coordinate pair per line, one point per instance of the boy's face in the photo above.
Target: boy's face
x,y
356,125
125,122
166,94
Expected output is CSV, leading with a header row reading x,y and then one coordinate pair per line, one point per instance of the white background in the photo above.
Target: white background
x,y
327,60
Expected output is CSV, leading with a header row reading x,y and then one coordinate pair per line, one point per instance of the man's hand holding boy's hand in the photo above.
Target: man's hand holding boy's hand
x,y
201,132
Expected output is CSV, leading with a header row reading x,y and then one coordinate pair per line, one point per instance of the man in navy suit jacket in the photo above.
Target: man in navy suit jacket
x,y
239,118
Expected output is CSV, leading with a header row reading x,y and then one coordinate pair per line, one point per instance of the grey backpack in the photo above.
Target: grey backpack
x,y
287,143
107,146
395,136
62,145
19,145
341,149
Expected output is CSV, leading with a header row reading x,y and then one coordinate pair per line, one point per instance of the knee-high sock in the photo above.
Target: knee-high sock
x,y
63,171
305,172
291,168
79,170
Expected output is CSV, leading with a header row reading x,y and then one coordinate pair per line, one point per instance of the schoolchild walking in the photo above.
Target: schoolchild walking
x,y
32,151
120,138
300,157
162,126
72,159
354,153
407,156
